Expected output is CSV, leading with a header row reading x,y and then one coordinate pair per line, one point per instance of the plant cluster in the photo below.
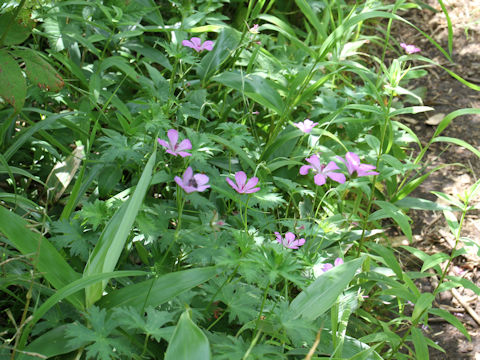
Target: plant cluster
x,y
157,201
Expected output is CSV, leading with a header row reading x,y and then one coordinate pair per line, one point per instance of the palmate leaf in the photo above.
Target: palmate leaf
x,y
40,72
13,88
98,340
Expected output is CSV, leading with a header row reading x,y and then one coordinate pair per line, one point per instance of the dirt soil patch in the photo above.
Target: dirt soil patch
x,y
445,94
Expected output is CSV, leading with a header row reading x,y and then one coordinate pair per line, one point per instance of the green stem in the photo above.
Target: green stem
x,y
265,293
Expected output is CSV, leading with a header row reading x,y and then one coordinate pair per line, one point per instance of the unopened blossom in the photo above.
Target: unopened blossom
x,y
196,44
352,161
289,240
172,146
242,186
191,183
410,49
328,266
254,29
306,126
323,171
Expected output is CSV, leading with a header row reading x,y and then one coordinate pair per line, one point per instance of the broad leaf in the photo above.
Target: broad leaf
x,y
40,72
320,296
13,88
188,341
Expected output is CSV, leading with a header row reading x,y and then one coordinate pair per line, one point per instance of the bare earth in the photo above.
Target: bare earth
x,y
445,95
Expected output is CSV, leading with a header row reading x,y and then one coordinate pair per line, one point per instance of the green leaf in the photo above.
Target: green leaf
x,y
13,88
188,341
237,150
389,258
433,260
17,32
27,134
420,204
423,303
458,142
451,319
69,290
49,262
112,240
50,344
421,347
40,72
389,210
320,296
225,45
257,88
156,291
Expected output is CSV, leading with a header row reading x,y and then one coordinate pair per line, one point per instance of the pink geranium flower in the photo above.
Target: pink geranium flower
x,y
306,126
353,164
172,146
328,266
322,171
410,49
196,44
242,186
191,183
289,240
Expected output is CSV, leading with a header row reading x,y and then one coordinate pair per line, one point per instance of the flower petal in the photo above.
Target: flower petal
x,y
187,175
314,160
208,45
184,154
319,179
201,179
241,179
251,183
289,237
327,267
338,177
197,42
188,43
232,184
173,137
330,167
338,261
304,169
162,143
184,145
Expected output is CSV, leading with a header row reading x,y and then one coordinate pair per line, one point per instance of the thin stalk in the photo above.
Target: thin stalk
x,y
265,293
374,182
452,255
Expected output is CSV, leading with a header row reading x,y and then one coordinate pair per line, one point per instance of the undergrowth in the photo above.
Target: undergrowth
x,y
214,180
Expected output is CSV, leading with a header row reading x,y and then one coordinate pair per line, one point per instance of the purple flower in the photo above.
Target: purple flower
x,y
174,148
410,49
328,266
191,183
353,164
306,126
322,170
242,186
196,44
289,240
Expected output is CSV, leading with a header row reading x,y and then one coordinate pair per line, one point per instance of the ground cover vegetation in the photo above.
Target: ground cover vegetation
x,y
214,180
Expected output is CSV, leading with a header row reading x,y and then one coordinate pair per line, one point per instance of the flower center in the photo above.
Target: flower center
x,y
193,182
